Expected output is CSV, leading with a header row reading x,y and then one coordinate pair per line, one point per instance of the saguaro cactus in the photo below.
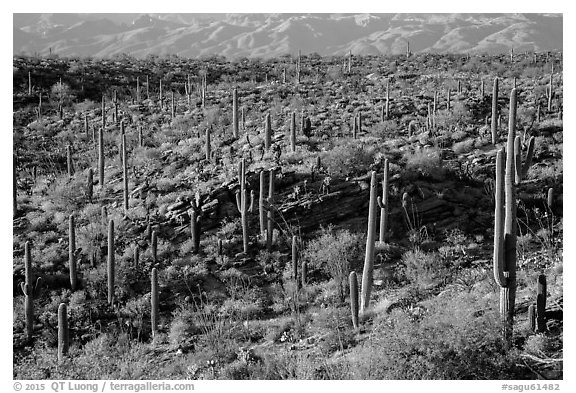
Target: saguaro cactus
x,y
267,132
353,280
541,304
293,132
195,225
125,174
28,290
262,201
101,158
368,273
384,209
550,89
154,241
208,147
86,126
532,317
494,122
242,203
90,185
304,274
270,208
505,227
63,337
235,112
72,253
111,264
103,112
154,300
387,108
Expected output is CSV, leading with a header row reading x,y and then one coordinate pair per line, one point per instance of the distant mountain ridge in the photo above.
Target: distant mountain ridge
x,y
271,35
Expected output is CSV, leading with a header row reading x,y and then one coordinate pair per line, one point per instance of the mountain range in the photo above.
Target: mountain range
x,y
271,35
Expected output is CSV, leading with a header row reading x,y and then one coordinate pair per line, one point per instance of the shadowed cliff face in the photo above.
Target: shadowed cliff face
x,y
271,35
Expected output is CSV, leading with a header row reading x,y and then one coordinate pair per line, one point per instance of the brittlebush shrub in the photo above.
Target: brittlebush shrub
x,y
450,337
334,254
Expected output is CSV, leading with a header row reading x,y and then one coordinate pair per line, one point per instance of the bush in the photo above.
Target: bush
x,y
445,338
423,269
334,254
427,162
463,147
348,159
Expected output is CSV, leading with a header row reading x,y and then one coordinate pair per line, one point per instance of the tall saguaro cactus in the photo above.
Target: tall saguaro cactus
x,y
28,290
505,227
111,264
550,89
90,185
267,132
101,157
242,203
368,273
195,224
235,112
63,335
72,253
387,108
154,301
208,148
103,112
270,208
293,132
494,122
261,202
154,246
384,209
125,174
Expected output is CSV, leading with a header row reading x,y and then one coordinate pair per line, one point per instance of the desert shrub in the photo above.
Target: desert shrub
x,y
335,325
427,162
183,325
463,147
386,129
458,135
348,159
423,268
334,254
135,315
445,338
